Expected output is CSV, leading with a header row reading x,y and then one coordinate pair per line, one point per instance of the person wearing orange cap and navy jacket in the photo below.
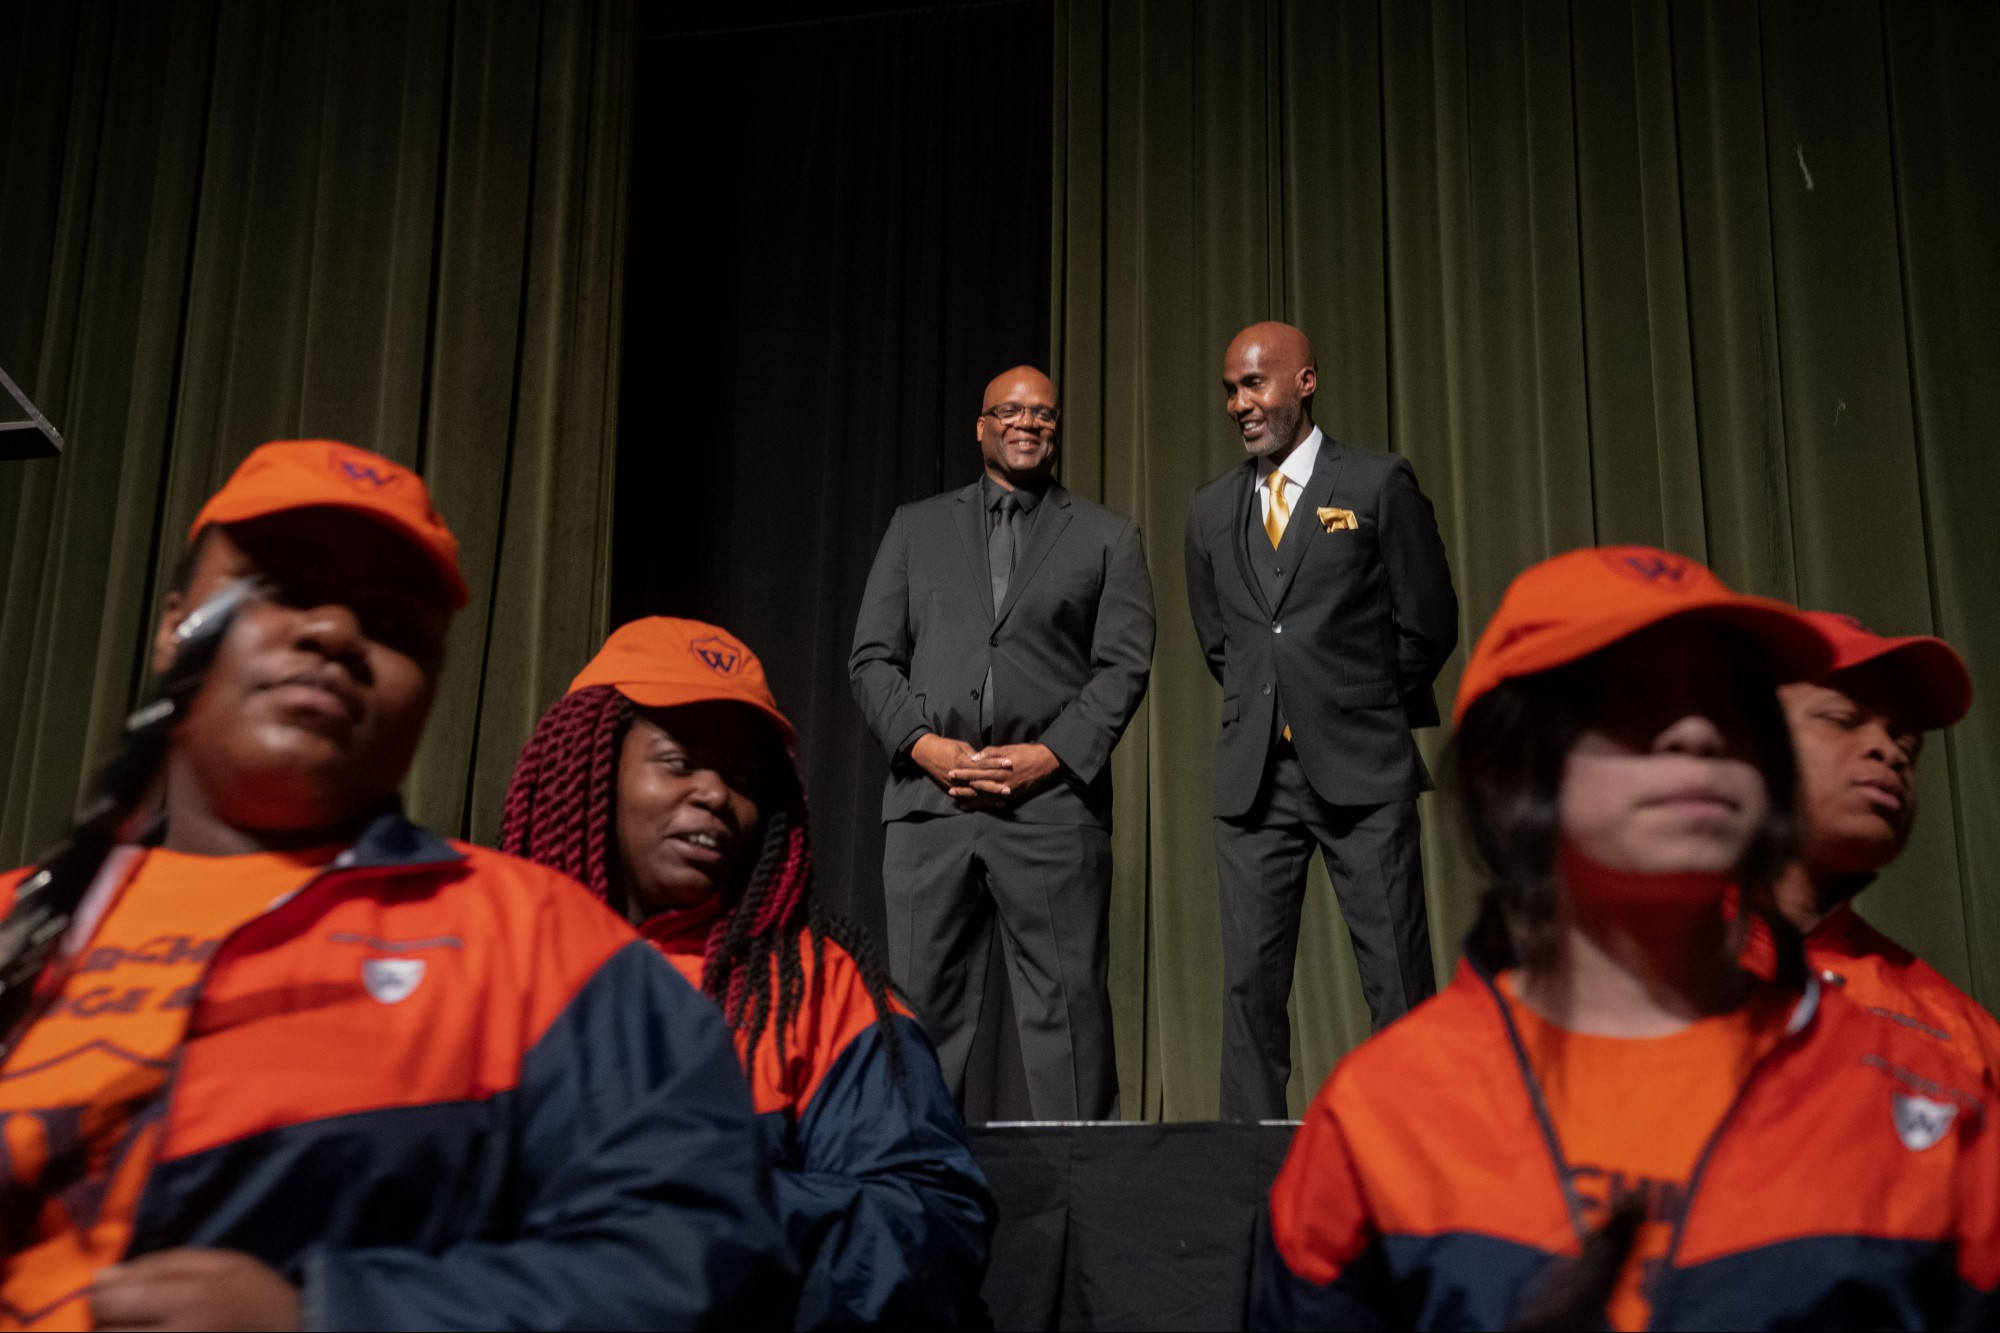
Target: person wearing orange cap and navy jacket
x,y
664,780
1859,730
310,1065
1606,1119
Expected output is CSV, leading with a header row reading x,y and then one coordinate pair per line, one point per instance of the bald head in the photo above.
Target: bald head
x,y
1022,384
1269,376
1017,427
1278,344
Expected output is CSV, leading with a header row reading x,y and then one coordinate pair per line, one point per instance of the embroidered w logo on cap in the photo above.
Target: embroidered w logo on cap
x,y
1649,566
391,980
718,654
667,662
1920,1121
361,472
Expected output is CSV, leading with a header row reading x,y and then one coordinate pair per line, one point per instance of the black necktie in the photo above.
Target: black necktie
x,y
1001,545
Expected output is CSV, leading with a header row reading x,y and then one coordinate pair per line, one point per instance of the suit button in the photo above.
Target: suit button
x,y
975,694
993,642
1279,571
1267,689
1277,627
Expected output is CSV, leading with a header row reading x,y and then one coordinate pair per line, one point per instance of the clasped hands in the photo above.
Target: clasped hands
x,y
989,779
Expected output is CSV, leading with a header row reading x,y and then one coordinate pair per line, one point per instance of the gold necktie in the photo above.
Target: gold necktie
x,y
1275,517
1277,513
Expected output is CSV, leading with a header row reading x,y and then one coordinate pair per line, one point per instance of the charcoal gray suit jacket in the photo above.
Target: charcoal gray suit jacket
x,y
1070,648
1343,629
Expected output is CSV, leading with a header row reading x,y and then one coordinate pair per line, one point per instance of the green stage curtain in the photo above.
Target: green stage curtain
x,y
399,224
1720,277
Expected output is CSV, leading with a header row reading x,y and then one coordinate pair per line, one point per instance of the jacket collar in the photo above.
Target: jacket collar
x,y
1477,975
391,840
1296,543
388,841
1048,527
970,512
684,933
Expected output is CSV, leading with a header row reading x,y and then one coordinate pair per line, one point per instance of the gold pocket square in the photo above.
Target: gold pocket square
x,y
1337,520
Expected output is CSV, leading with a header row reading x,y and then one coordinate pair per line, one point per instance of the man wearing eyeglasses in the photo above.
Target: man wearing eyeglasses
x,y
1003,644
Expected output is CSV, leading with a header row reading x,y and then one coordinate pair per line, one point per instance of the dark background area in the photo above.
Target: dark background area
x,y
839,232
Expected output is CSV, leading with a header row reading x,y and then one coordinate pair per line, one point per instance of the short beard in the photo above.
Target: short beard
x,y
1273,420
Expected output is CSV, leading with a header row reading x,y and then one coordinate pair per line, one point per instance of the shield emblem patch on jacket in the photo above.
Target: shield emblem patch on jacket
x,y
391,980
1920,1122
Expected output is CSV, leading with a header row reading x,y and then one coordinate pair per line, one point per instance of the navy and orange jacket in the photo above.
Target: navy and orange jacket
x,y
549,1130
1854,1183
1889,981
876,1185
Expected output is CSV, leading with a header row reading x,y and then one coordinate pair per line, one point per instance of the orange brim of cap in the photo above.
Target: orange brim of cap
x,y
661,695
1790,646
222,510
1941,687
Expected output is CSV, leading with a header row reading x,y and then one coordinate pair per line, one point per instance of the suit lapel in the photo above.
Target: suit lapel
x,y
1049,523
1303,525
1245,490
971,517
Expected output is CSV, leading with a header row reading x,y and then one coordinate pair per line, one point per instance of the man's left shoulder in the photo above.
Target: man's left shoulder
x,y
1091,517
1366,465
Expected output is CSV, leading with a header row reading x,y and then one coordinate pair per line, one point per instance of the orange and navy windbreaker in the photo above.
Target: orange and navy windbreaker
x,y
1855,1182
1890,982
876,1185
549,1129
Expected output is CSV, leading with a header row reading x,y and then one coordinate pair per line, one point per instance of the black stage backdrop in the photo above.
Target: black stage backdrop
x,y
839,232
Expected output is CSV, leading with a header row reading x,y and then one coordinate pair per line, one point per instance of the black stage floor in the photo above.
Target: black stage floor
x,y
1121,1225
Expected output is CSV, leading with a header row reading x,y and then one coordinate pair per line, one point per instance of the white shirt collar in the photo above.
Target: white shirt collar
x,y
1298,464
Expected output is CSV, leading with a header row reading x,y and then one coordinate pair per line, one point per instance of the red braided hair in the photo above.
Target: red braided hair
x,y
559,801
560,812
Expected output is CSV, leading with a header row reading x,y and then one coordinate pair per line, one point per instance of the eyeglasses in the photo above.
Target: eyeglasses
x,y
1008,414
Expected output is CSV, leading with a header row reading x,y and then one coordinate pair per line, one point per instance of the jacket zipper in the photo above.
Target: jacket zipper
x,y
1539,1105
1660,1302
1561,1164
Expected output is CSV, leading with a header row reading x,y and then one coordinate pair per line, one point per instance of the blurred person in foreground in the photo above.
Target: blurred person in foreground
x,y
1606,1119
315,1066
664,780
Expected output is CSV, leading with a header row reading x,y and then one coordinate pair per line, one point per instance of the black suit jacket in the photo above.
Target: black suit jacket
x,y
1070,648
1362,622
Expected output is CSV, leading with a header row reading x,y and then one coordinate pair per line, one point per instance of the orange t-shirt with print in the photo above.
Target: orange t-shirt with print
x,y
1633,1114
80,1103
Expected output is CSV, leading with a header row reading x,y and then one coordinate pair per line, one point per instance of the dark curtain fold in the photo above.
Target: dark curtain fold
x,y
223,222
1715,276
840,233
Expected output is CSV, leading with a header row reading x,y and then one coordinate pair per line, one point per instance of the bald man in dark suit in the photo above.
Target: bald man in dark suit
x,y
1004,643
1320,592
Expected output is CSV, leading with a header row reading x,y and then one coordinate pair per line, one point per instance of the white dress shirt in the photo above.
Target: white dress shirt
x,y
1297,469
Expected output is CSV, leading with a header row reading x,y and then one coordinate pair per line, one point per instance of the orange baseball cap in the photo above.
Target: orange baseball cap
x,y
1935,680
664,662
1568,607
326,474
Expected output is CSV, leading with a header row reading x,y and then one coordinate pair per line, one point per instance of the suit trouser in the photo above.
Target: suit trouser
x,y
1374,858
948,881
